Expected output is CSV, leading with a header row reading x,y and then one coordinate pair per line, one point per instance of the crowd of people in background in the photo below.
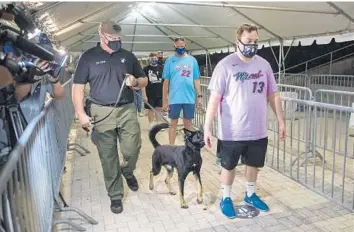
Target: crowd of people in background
x,y
240,88
171,90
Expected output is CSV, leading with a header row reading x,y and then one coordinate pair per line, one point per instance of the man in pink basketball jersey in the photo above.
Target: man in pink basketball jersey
x,y
241,86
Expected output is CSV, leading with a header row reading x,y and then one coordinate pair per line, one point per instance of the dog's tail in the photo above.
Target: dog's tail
x,y
153,132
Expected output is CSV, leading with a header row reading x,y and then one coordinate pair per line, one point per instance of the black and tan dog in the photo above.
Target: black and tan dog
x,y
185,159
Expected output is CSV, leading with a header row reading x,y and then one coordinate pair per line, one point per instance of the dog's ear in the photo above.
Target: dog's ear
x,y
187,132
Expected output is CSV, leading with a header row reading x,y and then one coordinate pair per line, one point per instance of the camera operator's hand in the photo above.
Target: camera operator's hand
x,y
45,67
6,77
42,64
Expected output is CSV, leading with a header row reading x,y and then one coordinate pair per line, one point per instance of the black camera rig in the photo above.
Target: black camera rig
x,y
12,120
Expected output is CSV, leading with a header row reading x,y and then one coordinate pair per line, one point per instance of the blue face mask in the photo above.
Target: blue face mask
x,y
180,51
154,62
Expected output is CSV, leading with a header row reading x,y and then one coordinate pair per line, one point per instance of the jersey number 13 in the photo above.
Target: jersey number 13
x,y
258,86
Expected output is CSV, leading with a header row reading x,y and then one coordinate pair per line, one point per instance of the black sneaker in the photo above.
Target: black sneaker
x,y
133,183
116,206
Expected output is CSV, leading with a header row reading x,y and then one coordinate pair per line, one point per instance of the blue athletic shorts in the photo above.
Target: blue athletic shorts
x,y
175,111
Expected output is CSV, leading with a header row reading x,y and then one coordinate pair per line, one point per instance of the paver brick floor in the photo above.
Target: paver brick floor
x,y
293,207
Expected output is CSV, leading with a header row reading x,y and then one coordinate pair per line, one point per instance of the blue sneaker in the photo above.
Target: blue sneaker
x,y
227,208
256,202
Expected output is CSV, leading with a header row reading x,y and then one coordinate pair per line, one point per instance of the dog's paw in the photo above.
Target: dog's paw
x,y
199,200
184,206
151,186
172,193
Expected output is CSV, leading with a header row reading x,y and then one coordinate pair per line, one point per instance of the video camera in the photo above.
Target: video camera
x,y
14,27
26,71
13,33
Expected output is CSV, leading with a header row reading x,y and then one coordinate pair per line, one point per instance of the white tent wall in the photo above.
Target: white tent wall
x,y
206,26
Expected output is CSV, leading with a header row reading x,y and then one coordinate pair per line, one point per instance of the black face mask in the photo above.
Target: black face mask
x,y
115,45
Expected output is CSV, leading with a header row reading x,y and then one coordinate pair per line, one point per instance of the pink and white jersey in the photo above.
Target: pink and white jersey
x,y
244,87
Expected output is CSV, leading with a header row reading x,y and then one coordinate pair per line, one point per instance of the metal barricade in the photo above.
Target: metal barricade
x,y
334,82
204,80
30,180
324,168
302,93
341,98
298,92
199,116
337,97
64,76
292,79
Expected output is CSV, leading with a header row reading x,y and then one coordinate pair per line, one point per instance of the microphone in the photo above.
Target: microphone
x,y
28,46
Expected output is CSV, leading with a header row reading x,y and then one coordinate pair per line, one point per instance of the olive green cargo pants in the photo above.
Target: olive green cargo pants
x,y
121,125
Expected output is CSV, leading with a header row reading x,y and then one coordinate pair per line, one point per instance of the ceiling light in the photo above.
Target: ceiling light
x,y
134,13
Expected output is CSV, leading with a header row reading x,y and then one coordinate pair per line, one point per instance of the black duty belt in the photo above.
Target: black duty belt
x,y
113,105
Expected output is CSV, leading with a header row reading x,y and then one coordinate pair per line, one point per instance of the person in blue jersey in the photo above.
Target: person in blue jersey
x,y
181,87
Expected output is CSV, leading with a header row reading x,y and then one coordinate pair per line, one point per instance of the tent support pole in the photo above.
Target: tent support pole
x,y
210,66
277,59
281,54
136,21
206,63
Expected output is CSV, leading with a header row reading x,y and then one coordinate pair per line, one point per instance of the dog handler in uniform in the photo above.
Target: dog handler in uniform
x,y
105,67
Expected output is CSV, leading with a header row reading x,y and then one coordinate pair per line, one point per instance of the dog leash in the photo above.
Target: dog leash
x,y
138,95
199,110
114,107
152,108
118,99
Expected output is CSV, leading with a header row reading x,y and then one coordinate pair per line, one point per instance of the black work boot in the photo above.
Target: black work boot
x,y
116,206
132,183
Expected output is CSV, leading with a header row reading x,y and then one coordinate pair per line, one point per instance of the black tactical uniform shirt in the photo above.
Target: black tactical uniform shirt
x,y
105,72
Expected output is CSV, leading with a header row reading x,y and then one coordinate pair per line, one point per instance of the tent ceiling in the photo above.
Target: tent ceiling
x,y
205,25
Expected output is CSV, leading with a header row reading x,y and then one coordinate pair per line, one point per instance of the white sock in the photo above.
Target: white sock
x,y
250,188
226,190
